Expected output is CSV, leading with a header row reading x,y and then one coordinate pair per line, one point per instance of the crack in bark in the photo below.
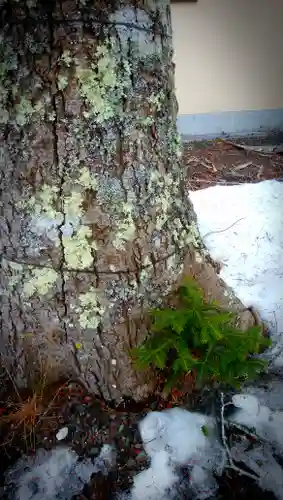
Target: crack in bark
x,y
98,273
61,173
113,24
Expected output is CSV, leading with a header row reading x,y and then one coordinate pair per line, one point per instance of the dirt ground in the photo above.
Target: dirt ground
x,y
219,162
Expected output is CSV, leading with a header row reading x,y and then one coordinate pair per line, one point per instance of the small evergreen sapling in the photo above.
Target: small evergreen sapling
x,y
198,336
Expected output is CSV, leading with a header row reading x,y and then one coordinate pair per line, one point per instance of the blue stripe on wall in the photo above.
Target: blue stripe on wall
x,y
231,123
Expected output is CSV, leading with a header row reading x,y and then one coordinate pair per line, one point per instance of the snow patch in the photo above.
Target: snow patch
x,y
176,431
242,228
57,473
267,424
156,481
175,438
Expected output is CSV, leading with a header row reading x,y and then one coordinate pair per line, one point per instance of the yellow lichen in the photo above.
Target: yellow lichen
x,y
43,202
73,205
66,58
40,281
62,82
78,248
90,310
86,179
163,190
103,84
25,111
126,229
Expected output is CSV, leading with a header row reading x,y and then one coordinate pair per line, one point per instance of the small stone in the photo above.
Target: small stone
x,y
62,433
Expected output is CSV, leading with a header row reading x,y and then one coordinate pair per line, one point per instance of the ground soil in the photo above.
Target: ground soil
x,y
218,162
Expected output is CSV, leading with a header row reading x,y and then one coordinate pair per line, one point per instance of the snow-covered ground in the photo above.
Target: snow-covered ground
x,y
242,227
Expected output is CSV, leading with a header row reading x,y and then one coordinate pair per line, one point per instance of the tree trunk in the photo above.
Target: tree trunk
x,y
95,223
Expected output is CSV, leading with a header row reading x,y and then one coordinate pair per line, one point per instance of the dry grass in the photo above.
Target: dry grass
x,y
21,419
24,414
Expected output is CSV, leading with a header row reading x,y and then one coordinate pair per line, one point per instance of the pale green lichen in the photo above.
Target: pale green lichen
x,y
78,248
193,236
14,270
174,265
76,238
66,58
185,236
45,200
62,82
31,3
175,145
163,190
157,100
43,203
90,310
25,111
16,266
126,228
73,205
40,282
4,115
103,84
86,179
51,116
146,121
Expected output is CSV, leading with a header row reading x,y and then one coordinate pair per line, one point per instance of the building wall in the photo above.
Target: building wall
x,y
229,66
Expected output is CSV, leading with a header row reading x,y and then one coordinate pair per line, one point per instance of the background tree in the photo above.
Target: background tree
x,y
95,222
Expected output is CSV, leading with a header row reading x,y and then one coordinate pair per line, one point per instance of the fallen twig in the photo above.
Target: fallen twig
x,y
263,150
242,165
223,230
226,447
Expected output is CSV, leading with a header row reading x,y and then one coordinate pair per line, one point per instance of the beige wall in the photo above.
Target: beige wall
x,y
228,55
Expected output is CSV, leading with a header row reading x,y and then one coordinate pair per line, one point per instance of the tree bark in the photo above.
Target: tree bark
x,y
95,223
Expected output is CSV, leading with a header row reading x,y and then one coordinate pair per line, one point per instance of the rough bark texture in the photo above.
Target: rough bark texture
x,y
94,220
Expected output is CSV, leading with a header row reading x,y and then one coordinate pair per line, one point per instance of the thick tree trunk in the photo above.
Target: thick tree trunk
x,y
95,223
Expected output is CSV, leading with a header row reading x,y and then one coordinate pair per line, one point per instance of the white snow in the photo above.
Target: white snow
x,y
260,458
267,423
153,483
176,430
242,227
248,403
54,474
176,437
62,433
